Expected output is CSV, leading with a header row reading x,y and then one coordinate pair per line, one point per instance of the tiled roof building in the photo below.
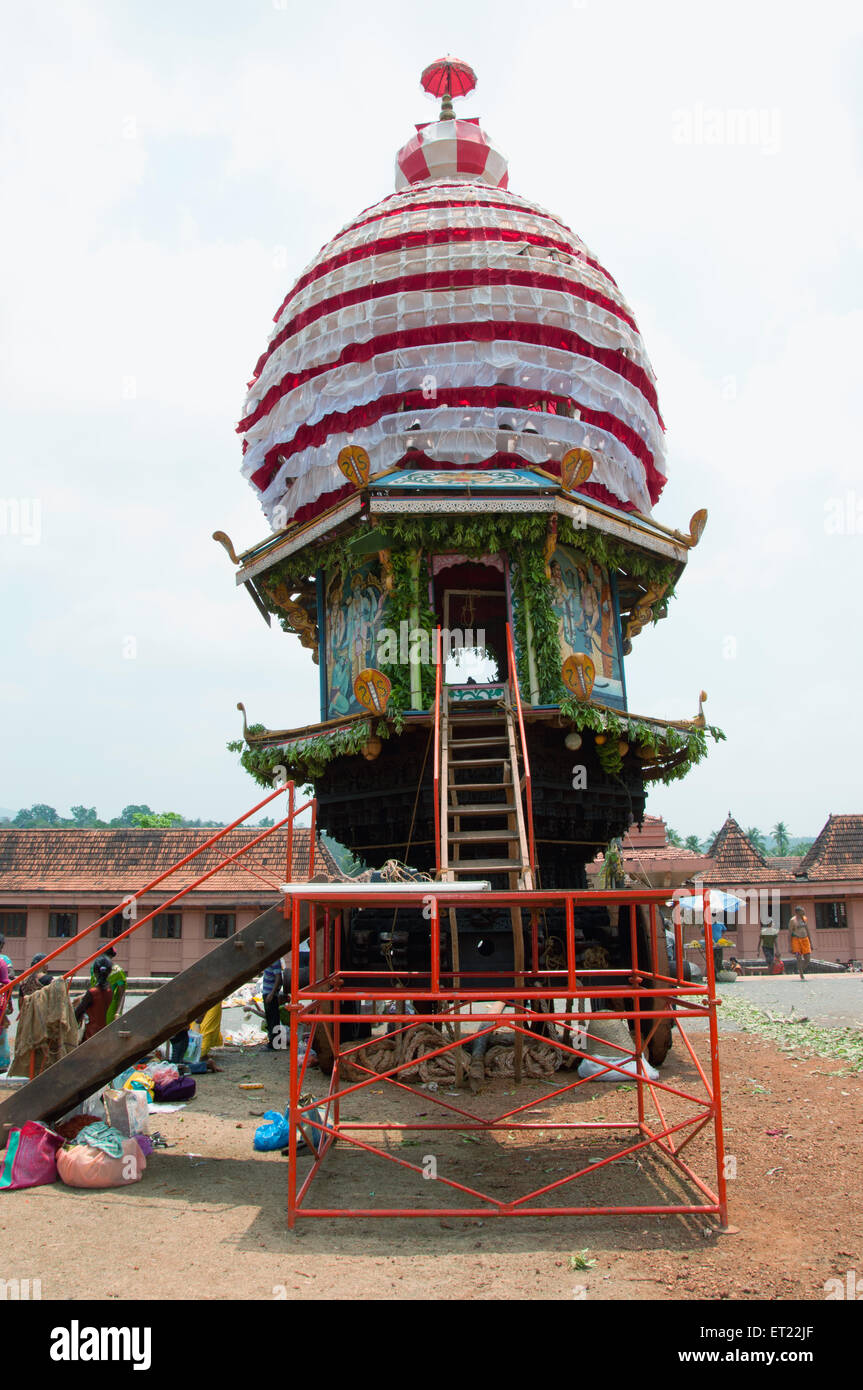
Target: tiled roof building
x,y
827,882
837,852
120,861
734,859
56,882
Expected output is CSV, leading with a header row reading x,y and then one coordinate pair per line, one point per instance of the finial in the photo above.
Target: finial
x,y
447,78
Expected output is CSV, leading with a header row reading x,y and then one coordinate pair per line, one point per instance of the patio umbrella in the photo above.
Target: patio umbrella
x,y
693,903
692,908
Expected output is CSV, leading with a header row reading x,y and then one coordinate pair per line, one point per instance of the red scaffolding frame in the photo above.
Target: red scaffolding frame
x,y
642,995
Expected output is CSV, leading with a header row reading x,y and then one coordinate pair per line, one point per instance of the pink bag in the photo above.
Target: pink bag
x,y
84,1166
31,1157
164,1074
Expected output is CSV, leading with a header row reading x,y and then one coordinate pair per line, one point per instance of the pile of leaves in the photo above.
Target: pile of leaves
x,y
804,1039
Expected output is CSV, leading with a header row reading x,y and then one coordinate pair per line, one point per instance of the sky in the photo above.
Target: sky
x,y
166,173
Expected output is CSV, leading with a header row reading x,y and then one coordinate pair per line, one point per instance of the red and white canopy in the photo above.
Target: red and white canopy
x,y
454,323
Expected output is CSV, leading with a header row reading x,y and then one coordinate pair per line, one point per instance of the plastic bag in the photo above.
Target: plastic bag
x,y
193,1051
620,1071
31,1157
93,1105
127,1112
273,1135
276,1134
139,1081
181,1088
163,1073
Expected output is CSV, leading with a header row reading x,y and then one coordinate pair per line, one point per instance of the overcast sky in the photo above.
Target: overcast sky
x,y
169,169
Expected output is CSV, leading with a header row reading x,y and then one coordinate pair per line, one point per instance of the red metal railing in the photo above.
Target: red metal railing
x,y
640,993
293,812
438,688
513,683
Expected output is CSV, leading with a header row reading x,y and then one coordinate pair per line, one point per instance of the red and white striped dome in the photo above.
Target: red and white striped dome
x,y
450,149
459,325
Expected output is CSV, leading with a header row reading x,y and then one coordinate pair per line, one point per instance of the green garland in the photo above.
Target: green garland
x,y
656,739
523,539
306,760
399,603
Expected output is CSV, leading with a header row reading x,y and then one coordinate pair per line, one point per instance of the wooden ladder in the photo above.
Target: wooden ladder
x,y
481,779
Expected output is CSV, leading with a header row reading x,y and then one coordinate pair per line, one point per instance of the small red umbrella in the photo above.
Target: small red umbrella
x,y
448,77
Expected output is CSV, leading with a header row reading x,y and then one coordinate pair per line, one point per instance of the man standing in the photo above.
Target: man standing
x,y
271,986
767,941
801,946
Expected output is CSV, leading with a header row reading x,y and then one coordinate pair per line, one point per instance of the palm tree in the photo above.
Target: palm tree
x,y
756,839
673,838
781,837
692,842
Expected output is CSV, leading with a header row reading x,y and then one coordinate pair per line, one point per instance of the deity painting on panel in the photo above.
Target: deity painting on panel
x,y
583,602
353,617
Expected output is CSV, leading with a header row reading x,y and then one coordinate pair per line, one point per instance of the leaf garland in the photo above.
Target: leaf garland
x,y
522,537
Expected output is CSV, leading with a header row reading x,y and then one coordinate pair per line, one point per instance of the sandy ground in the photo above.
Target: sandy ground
x,y
208,1218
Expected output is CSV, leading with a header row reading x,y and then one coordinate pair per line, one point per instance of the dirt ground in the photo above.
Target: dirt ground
x,y
208,1218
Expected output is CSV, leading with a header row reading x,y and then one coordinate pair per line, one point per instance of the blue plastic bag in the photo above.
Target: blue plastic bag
x,y
273,1135
277,1132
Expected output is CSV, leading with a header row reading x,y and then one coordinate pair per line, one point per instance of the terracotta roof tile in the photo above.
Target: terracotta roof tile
x,y
838,850
121,861
736,860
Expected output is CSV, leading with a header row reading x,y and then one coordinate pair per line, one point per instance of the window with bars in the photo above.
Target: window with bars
x,y
220,925
113,926
830,916
168,926
12,923
62,925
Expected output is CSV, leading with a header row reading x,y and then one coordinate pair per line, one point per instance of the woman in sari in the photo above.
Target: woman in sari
x,y
6,1008
97,1001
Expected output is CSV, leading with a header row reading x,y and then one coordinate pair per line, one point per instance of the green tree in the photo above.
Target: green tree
x,y
128,814
781,837
162,820
348,862
692,842
38,815
84,816
673,838
756,839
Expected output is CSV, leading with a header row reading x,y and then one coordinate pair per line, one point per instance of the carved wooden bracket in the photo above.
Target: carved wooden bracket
x,y
297,614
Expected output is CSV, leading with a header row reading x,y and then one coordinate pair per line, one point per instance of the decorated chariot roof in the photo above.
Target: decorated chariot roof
x,y
454,325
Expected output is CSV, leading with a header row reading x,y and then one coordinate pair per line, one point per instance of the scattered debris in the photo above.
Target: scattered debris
x,y
797,1035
